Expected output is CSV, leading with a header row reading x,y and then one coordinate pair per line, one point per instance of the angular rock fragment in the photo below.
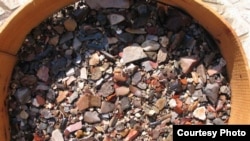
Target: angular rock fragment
x,y
200,113
115,18
129,54
107,107
91,117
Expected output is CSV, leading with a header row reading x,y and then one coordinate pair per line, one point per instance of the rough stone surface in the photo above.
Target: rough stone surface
x,y
200,113
57,135
91,117
107,107
129,54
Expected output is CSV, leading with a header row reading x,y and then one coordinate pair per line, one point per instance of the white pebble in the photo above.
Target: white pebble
x,y
138,115
172,103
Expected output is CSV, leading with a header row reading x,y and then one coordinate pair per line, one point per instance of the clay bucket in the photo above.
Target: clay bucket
x,y
20,23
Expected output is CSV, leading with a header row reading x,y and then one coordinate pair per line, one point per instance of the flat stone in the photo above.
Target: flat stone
x,y
162,55
57,135
83,73
200,113
131,135
54,40
150,45
94,59
161,103
23,95
23,115
135,30
96,73
201,70
97,4
74,127
70,72
83,102
59,29
122,91
125,103
107,107
73,97
40,100
61,96
129,54
187,64
172,103
136,78
70,24
147,65
107,89
115,18
91,117
95,101
212,92
43,73
70,80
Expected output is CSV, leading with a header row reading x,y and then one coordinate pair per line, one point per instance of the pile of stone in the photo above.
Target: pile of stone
x,y
116,71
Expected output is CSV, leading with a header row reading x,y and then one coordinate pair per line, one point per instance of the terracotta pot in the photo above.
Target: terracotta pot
x,y
13,32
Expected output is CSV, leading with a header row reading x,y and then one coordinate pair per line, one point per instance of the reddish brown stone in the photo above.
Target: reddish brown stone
x,y
178,109
43,73
83,102
131,135
95,101
61,96
40,100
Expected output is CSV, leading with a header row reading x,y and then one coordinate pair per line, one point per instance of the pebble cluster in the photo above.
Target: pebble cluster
x,y
120,71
